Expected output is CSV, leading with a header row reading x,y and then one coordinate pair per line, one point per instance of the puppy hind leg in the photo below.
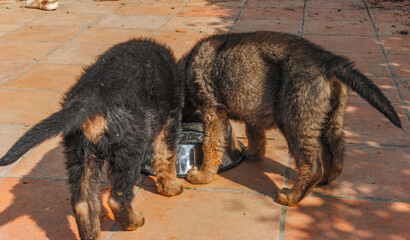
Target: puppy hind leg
x,y
124,170
332,139
256,143
216,125
304,150
164,158
84,170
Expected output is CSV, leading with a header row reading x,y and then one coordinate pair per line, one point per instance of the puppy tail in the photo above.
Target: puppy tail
x,y
53,125
345,71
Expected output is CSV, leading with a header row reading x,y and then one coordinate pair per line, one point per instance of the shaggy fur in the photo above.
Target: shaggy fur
x,y
129,99
275,80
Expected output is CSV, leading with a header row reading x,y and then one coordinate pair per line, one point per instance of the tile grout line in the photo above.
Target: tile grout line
x,y
371,199
30,64
283,209
13,165
85,28
170,18
393,75
245,4
302,29
23,25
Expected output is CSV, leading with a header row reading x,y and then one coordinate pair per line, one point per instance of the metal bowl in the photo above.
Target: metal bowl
x,y
190,151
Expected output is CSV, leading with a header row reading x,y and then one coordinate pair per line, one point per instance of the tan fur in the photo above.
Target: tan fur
x,y
95,128
82,209
164,167
216,126
128,218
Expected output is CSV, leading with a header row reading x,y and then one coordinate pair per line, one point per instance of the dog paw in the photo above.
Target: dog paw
x,y
127,218
284,197
251,155
195,176
131,222
169,186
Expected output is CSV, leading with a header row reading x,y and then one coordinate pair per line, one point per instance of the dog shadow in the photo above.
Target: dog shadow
x,y
45,201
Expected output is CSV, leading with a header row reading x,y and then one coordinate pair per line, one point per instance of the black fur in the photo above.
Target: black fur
x,y
118,107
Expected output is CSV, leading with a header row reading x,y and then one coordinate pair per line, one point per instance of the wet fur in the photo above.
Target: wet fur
x,y
129,99
275,80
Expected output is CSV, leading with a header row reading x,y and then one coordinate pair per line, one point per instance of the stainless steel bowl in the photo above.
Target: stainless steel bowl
x,y
190,151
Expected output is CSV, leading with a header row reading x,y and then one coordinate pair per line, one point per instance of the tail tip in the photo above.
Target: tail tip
x,y
4,161
396,121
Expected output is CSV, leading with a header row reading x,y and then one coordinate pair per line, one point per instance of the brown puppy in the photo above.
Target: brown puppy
x,y
275,80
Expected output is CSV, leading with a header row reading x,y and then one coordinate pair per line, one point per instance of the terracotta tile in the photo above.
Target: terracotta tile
x,y
387,5
351,15
265,176
388,88
274,13
46,77
133,21
400,65
209,11
45,161
85,7
372,172
76,53
111,35
399,29
7,69
179,52
42,33
324,218
349,4
5,28
58,18
157,8
355,44
27,107
396,45
338,27
179,40
404,85
200,214
364,124
389,15
38,209
18,18
279,3
27,51
369,64
8,135
8,5
250,25
199,24
228,3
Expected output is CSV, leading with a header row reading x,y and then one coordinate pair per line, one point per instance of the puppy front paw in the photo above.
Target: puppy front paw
x,y
169,186
196,176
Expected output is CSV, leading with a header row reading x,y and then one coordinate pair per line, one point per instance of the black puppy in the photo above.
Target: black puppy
x,y
129,99
275,80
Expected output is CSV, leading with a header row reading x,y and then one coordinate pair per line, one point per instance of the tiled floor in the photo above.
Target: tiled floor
x,y
42,53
